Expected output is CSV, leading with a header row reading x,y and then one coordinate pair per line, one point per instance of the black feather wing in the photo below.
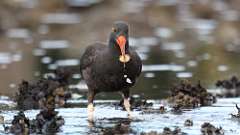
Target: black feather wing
x,y
90,56
137,62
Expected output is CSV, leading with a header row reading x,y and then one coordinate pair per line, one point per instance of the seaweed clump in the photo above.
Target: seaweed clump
x,y
209,129
20,125
230,87
187,95
46,121
44,92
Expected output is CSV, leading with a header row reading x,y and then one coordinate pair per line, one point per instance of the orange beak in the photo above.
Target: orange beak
x,y
121,40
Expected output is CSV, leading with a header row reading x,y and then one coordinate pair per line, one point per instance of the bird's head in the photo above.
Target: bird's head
x,y
119,37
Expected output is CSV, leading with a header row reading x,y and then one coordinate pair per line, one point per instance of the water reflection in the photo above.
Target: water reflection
x,y
18,33
60,18
7,58
39,52
82,3
163,67
54,44
68,62
184,75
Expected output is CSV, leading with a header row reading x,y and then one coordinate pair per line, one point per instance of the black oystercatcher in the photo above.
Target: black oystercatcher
x,y
112,67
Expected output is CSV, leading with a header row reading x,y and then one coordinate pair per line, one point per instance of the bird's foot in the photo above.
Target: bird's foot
x,y
127,107
90,112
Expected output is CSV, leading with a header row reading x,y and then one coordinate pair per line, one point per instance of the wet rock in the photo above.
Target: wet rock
x,y
238,114
176,131
151,133
188,123
138,102
113,126
177,109
160,110
187,95
230,87
44,93
209,129
166,131
120,128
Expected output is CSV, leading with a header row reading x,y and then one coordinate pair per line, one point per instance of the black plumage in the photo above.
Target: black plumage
x,y
104,67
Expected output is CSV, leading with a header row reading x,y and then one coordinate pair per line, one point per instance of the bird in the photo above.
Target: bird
x,y
111,67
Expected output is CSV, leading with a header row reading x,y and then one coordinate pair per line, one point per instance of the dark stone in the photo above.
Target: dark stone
x,y
188,123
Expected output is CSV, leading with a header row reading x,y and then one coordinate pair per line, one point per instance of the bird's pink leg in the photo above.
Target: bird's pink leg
x,y
126,102
90,107
127,106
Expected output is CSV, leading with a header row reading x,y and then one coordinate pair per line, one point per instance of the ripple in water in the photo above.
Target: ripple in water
x,y
54,44
163,67
61,18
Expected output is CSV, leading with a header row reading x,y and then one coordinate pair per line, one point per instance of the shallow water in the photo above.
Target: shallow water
x,y
107,118
173,39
